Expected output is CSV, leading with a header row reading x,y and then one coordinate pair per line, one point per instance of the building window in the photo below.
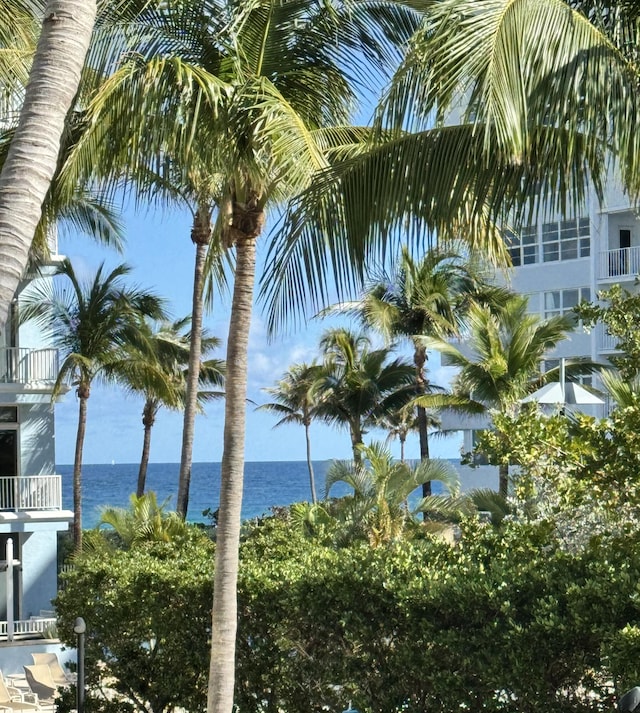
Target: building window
x,y
523,248
560,302
583,379
566,240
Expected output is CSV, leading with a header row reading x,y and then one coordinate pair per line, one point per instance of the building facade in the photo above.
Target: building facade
x,y
31,509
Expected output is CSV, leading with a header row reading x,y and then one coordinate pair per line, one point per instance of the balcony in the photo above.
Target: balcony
x,y
623,262
30,492
25,366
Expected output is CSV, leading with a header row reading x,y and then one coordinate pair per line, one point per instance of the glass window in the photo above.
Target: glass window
x,y
558,302
9,414
566,240
523,248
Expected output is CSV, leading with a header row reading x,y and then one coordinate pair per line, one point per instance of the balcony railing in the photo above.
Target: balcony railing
x,y
36,626
619,263
25,366
31,492
605,342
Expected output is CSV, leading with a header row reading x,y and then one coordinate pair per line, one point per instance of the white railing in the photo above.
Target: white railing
x,y
31,492
24,366
36,626
620,262
605,342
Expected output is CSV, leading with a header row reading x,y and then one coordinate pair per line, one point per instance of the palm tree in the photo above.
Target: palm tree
x,y
399,423
144,521
295,402
254,97
90,324
158,372
505,359
33,157
558,77
425,298
378,507
359,384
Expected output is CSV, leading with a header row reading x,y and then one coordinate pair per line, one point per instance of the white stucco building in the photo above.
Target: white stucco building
x,y
557,263
31,511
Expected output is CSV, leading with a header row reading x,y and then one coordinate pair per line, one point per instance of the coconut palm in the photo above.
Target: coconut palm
x,y
296,400
90,323
400,423
527,65
159,371
253,96
33,157
425,298
360,384
502,359
378,505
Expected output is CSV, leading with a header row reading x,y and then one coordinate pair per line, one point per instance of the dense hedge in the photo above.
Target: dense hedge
x,y
505,621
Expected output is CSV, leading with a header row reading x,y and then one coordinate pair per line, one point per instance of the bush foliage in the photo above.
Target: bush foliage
x,y
506,620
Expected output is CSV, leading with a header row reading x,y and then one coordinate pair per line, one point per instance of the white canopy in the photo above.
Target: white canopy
x,y
557,393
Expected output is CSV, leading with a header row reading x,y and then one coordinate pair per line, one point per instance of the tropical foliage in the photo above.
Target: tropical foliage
x,y
359,383
296,400
158,372
91,323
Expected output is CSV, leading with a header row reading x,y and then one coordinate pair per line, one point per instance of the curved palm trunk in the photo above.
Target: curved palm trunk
x,y
33,155
201,235
420,359
83,395
224,612
312,480
148,419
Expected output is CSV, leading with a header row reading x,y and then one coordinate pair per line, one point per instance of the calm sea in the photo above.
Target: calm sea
x,y
266,484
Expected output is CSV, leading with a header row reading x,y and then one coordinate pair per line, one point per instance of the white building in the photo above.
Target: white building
x,y
558,263
31,511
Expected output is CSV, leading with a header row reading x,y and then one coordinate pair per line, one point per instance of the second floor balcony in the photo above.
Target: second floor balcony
x,y
622,262
30,492
20,365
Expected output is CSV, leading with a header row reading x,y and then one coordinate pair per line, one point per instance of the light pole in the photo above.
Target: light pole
x,y
79,627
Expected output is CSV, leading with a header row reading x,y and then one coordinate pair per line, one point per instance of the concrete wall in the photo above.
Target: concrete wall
x,y
39,571
14,655
37,439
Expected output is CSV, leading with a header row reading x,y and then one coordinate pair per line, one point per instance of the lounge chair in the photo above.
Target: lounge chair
x,y
41,682
13,699
59,675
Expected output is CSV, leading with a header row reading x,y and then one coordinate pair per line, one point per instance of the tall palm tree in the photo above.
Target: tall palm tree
x,y
360,384
502,361
255,96
159,372
424,298
296,400
399,423
90,323
33,157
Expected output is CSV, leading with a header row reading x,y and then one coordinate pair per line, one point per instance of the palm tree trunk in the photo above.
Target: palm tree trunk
x,y
503,479
224,612
312,480
402,442
33,155
77,468
201,235
420,359
148,419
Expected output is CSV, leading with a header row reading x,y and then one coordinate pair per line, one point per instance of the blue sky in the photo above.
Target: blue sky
x,y
159,250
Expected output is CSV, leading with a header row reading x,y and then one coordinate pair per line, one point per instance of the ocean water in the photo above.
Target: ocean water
x,y
267,484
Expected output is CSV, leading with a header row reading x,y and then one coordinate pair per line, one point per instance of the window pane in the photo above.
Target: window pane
x,y
550,252
570,299
569,249
552,300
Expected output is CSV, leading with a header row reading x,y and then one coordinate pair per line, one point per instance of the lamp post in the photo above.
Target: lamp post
x,y
79,627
